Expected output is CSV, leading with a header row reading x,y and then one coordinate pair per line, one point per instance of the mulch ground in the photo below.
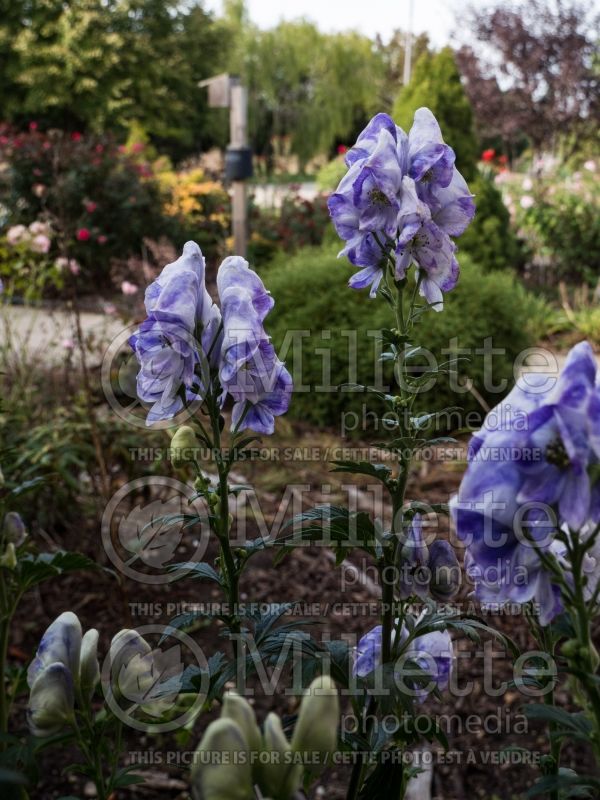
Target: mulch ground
x,y
482,724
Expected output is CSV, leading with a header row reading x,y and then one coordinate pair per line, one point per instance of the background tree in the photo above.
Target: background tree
x,y
436,83
306,87
102,64
392,54
533,69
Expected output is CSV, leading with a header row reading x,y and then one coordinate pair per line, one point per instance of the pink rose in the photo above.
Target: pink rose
x,y
40,243
129,288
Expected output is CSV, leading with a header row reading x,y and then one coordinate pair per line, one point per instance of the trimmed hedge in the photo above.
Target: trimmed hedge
x,y
331,321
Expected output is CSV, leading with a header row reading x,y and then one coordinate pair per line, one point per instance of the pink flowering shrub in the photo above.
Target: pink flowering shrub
x,y
27,269
98,199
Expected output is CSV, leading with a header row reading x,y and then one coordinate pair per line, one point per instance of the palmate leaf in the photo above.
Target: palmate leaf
x,y
186,620
379,471
197,570
334,658
332,526
34,569
568,783
471,627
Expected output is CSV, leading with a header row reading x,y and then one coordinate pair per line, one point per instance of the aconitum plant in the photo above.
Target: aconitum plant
x,y
399,204
196,357
528,511
191,352
398,209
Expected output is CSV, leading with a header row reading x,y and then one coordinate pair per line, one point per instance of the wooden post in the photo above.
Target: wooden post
x,y
238,119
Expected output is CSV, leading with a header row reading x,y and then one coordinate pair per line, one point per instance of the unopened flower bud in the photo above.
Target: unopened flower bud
x,y
61,643
89,668
238,709
413,577
279,775
183,446
131,663
317,724
445,571
13,528
8,560
222,769
51,701
414,550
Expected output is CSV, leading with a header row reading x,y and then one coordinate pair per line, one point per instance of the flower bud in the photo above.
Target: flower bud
x,y
411,561
241,712
445,571
51,701
9,557
13,528
89,668
414,550
131,664
279,776
183,446
222,769
317,724
61,643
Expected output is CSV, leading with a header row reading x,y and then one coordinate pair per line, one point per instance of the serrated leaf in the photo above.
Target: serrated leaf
x,y
379,471
197,570
34,569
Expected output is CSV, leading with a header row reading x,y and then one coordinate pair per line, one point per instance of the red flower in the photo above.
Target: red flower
x,y
90,206
342,149
503,159
76,136
33,126
83,235
488,155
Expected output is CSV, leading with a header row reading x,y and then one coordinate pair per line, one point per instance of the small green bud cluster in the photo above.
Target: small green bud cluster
x,y
234,756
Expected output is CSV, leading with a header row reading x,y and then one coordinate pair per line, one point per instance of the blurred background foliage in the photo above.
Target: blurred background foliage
x,y
110,160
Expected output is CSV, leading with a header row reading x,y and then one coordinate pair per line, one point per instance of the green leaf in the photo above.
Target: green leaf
x,y
575,723
34,569
332,526
197,570
379,471
385,781
567,781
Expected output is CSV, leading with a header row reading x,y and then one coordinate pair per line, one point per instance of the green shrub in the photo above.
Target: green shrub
x,y
330,175
311,296
489,240
567,226
436,83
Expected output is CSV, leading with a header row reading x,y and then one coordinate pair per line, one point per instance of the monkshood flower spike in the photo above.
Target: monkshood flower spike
x,y
189,349
531,485
399,204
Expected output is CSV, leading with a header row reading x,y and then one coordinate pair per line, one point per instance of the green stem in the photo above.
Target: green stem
x,y
586,653
4,630
222,530
397,492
